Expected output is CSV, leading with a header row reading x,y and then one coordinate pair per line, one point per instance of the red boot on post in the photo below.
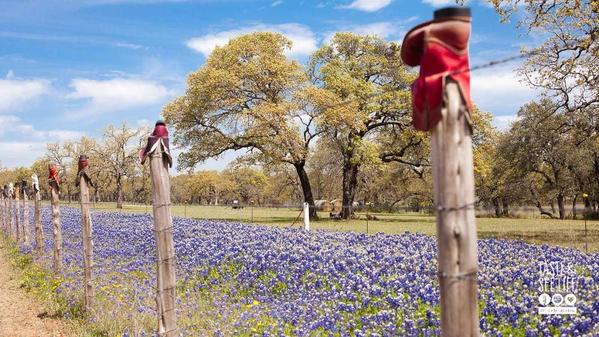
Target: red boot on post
x,y
440,48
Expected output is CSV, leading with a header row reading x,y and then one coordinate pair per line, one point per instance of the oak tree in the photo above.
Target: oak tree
x,y
247,96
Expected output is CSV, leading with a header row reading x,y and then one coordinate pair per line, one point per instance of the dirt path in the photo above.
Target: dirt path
x,y
18,311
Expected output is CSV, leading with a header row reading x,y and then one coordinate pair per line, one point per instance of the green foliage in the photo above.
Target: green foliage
x,y
565,63
363,89
243,97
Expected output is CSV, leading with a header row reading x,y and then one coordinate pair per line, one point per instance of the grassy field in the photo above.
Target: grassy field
x,y
568,233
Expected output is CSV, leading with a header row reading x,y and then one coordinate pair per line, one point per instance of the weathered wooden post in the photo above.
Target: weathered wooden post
x,y
37,217
586,240
3,210
10,211
54,187
160,160
17,194
26,232
306,216
84,182
441,102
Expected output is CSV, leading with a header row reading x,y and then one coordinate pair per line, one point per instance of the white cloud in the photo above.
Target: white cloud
x,y
439,3
276,3
503,122
500,91
369,5
382,29
14,126
15,92
15,154
117,94
129,45
75,39
304,41
20,152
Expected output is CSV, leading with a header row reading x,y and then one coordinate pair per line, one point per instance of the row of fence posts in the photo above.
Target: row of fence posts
x,y
158,151
14,204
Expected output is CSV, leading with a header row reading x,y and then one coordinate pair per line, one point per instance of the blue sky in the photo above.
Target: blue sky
x,y
70,67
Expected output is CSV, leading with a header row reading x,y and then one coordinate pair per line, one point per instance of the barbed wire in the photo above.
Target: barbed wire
x,y
486,65
493,63
328,206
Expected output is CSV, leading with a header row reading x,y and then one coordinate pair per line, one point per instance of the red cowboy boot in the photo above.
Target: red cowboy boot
x,y
440,47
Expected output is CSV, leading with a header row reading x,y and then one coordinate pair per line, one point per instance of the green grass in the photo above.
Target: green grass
x,y
532,229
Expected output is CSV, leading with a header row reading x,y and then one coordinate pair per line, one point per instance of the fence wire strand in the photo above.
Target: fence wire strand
x,y
485,65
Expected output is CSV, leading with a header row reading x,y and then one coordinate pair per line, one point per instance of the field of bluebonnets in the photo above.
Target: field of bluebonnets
x,y
249,280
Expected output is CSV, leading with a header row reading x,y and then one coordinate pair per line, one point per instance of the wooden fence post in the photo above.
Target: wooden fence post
x,y
10,217
17,191
453,178
26,229
37,218
54,186
306,216
84,182
160,160
441,102
3,211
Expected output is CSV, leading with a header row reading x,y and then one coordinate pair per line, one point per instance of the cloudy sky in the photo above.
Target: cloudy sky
x,y
70,67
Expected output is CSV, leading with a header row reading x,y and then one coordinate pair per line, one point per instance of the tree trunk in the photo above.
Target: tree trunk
x,y
119,193
350,184
596,166
505,206
560,206
587,205
497,207
540,208
306,188
574,206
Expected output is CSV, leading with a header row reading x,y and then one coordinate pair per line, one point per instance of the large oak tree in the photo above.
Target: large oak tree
x,y
248,95
364,90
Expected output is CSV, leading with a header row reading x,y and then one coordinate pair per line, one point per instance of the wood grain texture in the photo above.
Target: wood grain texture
x,y
17,215
3,217
166,281
26,229
39,229
10,214
56,230
88,244
453,185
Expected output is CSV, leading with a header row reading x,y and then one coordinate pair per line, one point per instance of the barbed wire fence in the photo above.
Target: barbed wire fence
x,y
370,218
